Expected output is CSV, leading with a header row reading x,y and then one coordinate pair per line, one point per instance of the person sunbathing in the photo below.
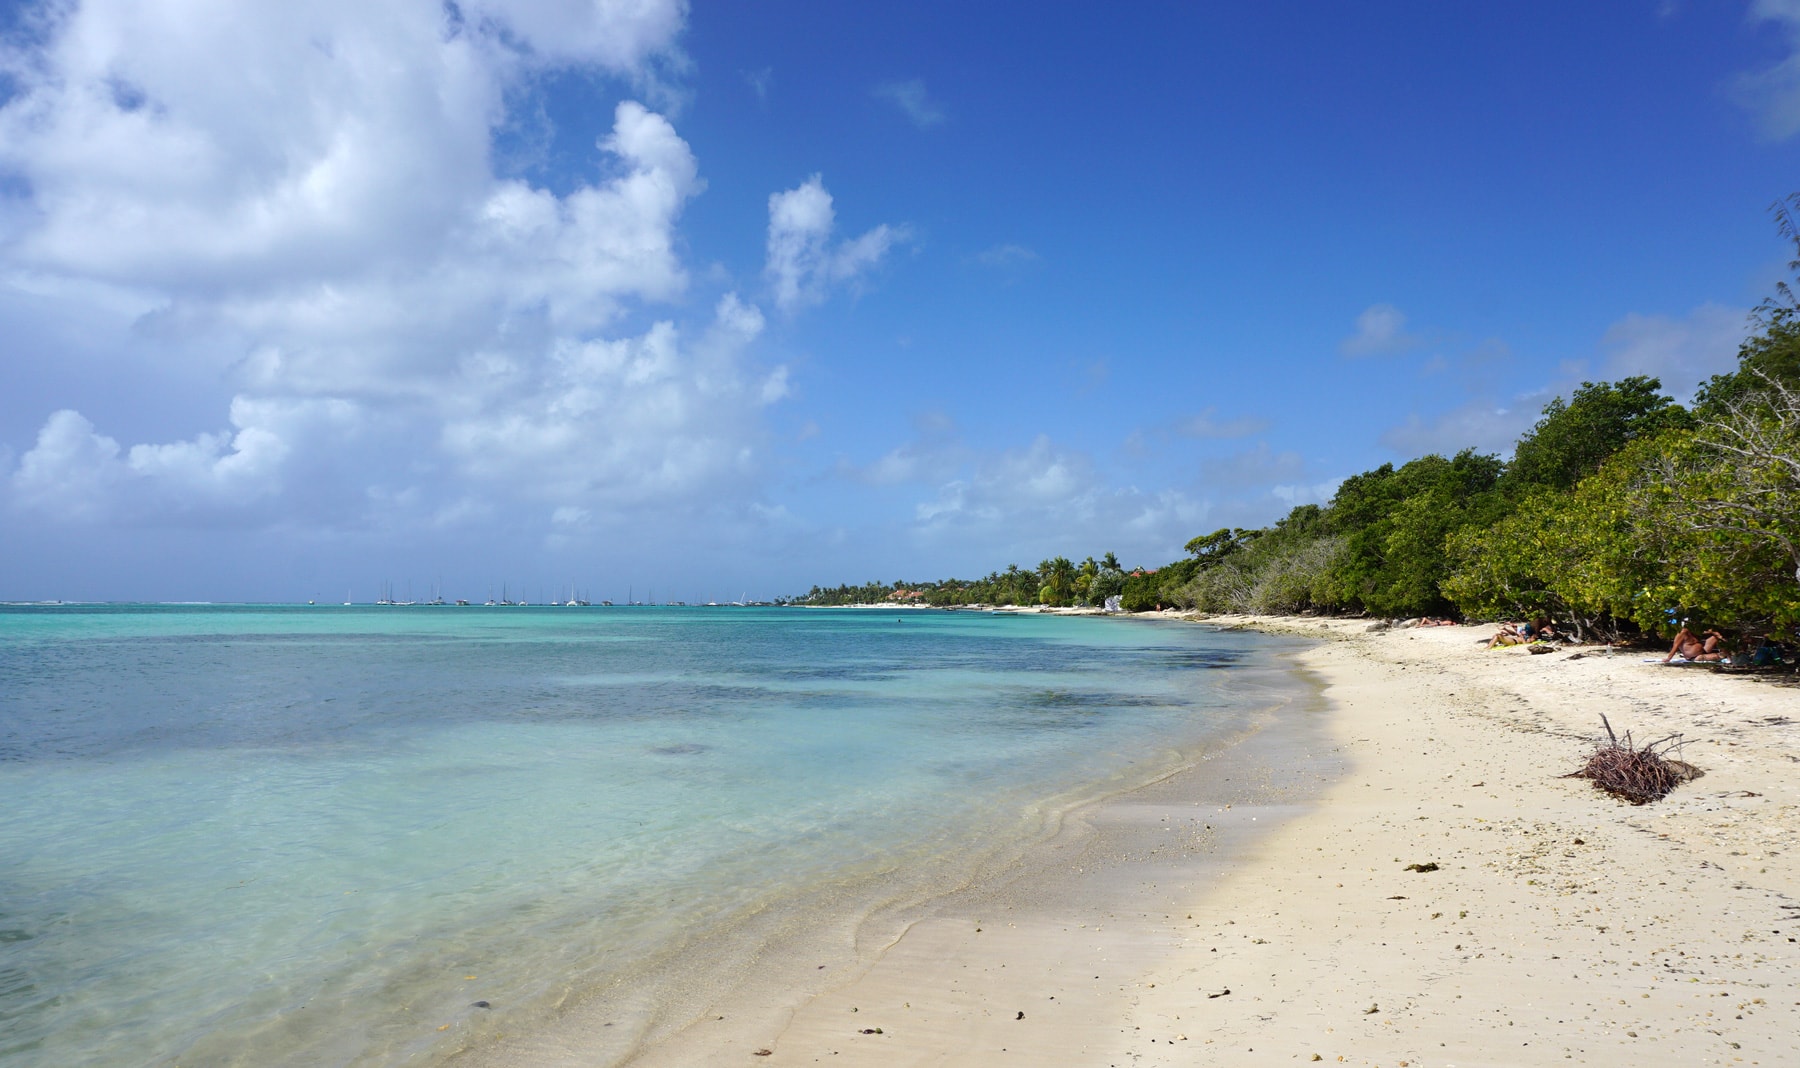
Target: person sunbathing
x,y
1689,646
1509,635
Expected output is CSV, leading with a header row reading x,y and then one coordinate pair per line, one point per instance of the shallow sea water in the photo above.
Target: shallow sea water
x,y
317,835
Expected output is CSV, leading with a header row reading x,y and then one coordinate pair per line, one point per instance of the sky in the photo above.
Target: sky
x,y
702,300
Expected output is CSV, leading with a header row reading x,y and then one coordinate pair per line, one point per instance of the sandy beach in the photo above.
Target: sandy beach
x,y
1173,926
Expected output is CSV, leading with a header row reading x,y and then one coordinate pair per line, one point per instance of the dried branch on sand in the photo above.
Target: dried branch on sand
x,y
1640,775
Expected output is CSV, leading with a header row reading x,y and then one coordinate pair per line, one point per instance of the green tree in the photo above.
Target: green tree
x,y
1214,548
1596,558
1574,437
1058,576
1084,580
1393,524
1734,487
1141,591
1108,581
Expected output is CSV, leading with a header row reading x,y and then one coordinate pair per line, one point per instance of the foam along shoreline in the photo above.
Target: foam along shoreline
x,y
1558,924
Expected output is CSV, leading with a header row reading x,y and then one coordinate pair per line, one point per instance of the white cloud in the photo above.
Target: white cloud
x,y
1682,352
1773,93
166,147
803,263
1380,331
618,34
913,101
71,470
74,472
299,201
623,422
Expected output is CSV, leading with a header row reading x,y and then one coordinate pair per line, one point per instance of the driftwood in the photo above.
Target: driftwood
x,y
1638,774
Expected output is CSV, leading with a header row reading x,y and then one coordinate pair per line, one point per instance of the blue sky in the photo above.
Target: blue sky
x,y
716,299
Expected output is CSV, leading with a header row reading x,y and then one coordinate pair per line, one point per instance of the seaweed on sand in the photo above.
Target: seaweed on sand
x,y
1638,774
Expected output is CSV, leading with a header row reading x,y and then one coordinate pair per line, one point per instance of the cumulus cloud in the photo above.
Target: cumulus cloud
x,y
803,261
624,421
1380,331
74,472
301,203
1773,93
618,34
168,149
913,101
70,470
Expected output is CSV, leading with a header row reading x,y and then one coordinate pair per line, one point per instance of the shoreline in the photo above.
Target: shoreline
x,y
754,973
1560,924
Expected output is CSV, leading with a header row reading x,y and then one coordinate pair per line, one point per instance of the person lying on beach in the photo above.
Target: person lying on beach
x,y
1433,621
1509,635
1689,647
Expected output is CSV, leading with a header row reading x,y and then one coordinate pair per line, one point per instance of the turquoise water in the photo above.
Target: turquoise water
x,y
317,835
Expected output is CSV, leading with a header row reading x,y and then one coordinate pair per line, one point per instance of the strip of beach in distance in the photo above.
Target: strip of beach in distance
x,y
1285,920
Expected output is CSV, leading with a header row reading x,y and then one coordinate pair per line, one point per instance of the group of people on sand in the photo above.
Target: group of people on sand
x,y
1706,647
1541,629
1709,647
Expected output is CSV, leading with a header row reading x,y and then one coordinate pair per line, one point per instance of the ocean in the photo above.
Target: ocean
x,y
328,835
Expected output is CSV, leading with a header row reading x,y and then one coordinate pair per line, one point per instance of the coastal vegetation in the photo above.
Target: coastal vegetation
x,y
1621,511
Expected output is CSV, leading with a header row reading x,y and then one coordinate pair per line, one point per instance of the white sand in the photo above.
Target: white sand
x,y
1561,926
